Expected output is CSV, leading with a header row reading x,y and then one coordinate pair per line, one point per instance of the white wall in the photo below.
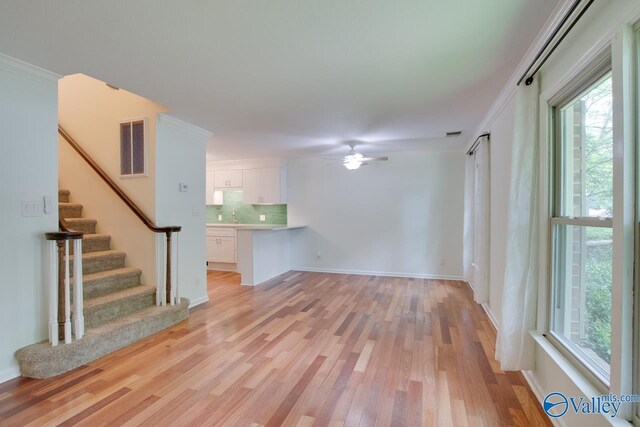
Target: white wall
x,y
181,157
28,172
597,26
401,217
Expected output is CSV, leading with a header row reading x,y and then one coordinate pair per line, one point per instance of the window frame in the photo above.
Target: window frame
x,y
598,70
145,144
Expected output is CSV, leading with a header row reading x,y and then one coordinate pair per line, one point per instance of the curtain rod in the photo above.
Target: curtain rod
x,y
564,20
477,142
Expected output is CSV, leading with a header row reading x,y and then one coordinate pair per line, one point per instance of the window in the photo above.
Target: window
x,y
132,148
581,226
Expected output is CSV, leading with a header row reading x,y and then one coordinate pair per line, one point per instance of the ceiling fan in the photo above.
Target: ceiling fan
x,y
354,160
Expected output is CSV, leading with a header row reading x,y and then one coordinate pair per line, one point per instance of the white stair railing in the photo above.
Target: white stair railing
x,y
59,284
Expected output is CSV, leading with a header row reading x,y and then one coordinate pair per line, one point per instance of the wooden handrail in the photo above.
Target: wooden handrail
x,y
65,232
116,189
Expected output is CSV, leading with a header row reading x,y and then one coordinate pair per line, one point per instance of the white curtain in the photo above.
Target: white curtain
x,y
481,223
469,213
514,347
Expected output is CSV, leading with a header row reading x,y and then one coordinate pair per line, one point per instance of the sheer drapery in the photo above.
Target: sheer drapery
x,y
469,209
514,347
481,223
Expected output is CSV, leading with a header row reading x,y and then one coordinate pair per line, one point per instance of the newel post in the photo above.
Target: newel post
x,y
61,285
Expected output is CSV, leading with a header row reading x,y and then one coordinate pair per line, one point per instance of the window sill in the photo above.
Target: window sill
x,y
574,374
138,175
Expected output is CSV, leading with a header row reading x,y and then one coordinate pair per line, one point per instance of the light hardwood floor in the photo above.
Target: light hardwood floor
x,y
306,349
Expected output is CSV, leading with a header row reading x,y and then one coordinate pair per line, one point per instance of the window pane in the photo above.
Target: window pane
x,y
125,149
582,291
138,147
587,153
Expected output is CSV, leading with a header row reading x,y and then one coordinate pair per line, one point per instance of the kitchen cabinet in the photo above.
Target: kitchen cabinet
x,y
227,179
264,186
213,196
221,245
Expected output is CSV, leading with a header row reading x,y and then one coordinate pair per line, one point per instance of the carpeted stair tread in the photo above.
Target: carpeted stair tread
x,y
96,242
93,303
69,210
86,225
105,308
63,196
93,262
43,360
104,282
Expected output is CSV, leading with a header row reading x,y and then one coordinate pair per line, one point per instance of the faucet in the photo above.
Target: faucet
x,y
233,216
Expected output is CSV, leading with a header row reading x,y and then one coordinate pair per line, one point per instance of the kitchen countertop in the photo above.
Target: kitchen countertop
x,y
257,227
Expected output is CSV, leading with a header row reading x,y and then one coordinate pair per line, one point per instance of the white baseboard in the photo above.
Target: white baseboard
x,y
198,301
530,377
222,266
9,374
378,273
490,315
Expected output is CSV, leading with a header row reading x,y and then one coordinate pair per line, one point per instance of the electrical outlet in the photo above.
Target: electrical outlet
x,y
263,218
318,256
443,262
183,187
219,217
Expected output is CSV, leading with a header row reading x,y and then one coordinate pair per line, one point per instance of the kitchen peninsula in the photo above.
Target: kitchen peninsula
x,y
262,252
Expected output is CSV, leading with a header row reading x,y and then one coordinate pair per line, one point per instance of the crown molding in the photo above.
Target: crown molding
x,y
509,89
25,69
629,14
187,127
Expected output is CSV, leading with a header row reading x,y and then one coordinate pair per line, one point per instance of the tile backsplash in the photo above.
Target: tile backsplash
x,y
245,214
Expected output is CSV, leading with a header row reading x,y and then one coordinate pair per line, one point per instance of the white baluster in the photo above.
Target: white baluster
x,y
53,292
78,304
175,292
67,296
160,269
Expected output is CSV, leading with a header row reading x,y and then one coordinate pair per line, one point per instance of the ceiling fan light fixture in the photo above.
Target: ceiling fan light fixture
x,y
352,164
353,161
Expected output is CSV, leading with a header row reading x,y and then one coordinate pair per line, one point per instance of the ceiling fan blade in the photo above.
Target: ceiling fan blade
x,y
376,159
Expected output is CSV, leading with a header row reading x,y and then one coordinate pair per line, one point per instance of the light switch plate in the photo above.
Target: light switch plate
x,y
183,187
31,208
263,218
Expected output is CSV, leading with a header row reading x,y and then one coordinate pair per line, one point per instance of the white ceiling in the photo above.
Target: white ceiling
x,y
291,77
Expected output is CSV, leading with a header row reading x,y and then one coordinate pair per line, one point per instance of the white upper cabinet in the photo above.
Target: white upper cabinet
x,y
213,196
227,179
251,190
264,186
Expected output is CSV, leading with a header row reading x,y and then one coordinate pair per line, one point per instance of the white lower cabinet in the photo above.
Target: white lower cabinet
x,y
221,245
